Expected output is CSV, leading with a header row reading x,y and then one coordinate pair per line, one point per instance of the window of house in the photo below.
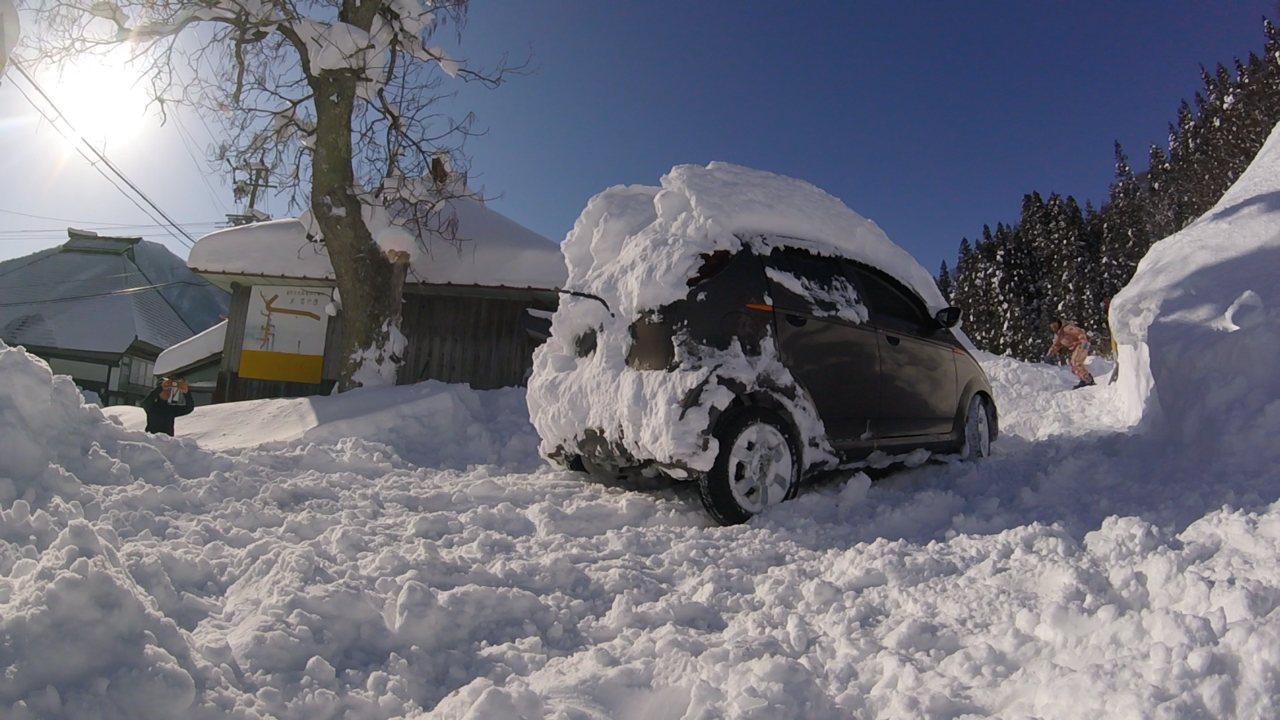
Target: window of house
x,y
142,372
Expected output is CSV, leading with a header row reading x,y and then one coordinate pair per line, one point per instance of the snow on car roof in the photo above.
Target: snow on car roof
x,y
636,245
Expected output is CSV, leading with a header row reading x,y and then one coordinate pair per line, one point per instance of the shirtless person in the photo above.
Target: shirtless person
x,y
1069,337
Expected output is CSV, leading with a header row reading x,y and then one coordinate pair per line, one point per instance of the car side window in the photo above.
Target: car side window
x,y
816,285
889,301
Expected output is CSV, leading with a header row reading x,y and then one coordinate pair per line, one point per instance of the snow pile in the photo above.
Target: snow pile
x,y
51,440
82,639
429,424
1199,324
634,247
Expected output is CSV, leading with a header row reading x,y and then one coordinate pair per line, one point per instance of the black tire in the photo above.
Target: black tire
x,y
731,493
979,429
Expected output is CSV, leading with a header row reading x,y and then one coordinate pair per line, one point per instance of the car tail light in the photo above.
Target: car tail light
x,y
712,264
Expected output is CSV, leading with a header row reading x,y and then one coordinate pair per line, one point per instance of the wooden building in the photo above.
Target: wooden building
x,y
101,309
470,310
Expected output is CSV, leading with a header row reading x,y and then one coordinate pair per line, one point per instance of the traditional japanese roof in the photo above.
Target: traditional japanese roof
x,y
489,250
101,294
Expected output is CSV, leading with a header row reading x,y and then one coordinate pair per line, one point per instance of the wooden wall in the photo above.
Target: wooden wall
x,y
457,339
455,335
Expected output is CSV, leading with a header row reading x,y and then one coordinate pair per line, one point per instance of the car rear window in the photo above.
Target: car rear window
x,y
811,284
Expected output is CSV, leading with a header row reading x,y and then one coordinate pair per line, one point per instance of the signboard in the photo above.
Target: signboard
x,y
284,334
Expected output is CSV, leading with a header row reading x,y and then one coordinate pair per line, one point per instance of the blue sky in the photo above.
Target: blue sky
x,y
931,118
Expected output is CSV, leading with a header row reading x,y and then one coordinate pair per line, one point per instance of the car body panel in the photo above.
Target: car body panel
x,y
872,381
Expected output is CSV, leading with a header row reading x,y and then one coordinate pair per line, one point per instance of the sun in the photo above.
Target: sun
x,y
104,98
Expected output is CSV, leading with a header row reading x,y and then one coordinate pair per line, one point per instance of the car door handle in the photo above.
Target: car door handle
x,y
892,340
797,320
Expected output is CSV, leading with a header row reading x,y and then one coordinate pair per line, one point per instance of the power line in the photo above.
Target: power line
x,y
103,223
128,291
190,241
52,123
183,135
25,233
94,278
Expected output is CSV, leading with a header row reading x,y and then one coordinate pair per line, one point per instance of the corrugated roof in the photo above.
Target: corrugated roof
x,y
90,294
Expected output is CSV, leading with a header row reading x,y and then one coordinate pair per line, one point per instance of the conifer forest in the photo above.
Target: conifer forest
x,y
1062,260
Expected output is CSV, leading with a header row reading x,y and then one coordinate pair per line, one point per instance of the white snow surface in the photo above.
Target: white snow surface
x,y
1198,327
404,553
192,350
635,247
494,251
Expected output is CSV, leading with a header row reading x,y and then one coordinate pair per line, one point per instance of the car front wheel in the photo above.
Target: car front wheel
x,y
977,430
758,466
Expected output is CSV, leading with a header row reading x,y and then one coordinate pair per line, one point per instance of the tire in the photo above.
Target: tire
x,y
758,466
976,442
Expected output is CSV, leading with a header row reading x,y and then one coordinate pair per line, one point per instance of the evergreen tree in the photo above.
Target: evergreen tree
x,y
1059,260
945,285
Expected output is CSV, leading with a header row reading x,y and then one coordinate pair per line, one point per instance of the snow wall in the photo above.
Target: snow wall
x,y
1198,326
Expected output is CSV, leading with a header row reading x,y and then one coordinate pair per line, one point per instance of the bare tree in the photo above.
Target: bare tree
x,y
339,98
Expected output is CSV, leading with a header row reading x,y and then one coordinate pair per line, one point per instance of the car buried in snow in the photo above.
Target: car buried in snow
x,y
749,361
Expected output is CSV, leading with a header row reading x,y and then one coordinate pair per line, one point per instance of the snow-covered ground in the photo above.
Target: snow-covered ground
x,y
405,553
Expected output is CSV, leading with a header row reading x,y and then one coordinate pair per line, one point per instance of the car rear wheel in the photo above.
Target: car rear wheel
x,y
758,466
977,430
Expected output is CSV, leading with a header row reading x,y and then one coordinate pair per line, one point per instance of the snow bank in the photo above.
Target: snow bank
x,y
635,247
430,424
1198,326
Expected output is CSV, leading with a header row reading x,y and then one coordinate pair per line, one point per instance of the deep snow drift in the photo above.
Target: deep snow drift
x,y
1080,572
1199,324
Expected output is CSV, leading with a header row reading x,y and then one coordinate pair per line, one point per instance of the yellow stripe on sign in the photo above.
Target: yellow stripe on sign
x,y
285,367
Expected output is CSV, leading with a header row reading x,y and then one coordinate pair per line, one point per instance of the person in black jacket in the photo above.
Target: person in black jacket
x,y
170,399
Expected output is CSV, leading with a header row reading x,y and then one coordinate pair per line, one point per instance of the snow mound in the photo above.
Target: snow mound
x,y
1198,326
52,442
635,247
430,424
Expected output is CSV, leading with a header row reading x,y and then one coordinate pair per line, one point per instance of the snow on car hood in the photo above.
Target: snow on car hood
x,y
634,247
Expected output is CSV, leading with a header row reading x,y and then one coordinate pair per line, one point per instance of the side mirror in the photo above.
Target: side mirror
x,y
948,317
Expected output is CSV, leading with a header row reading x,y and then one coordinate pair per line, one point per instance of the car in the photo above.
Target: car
x,y
766,362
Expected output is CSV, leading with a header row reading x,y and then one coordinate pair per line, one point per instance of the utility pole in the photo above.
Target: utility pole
x,y
258,174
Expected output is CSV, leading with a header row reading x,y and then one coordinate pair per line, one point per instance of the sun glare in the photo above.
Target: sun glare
x,y
103,97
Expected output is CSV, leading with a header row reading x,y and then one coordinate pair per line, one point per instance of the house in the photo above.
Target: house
x,y
471,314
101,309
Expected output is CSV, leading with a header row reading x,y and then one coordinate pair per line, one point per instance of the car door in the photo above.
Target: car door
x,y
825,342
917,364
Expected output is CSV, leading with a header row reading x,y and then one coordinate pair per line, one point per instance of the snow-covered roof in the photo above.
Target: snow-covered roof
x,y
88,295
494,251
201,346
